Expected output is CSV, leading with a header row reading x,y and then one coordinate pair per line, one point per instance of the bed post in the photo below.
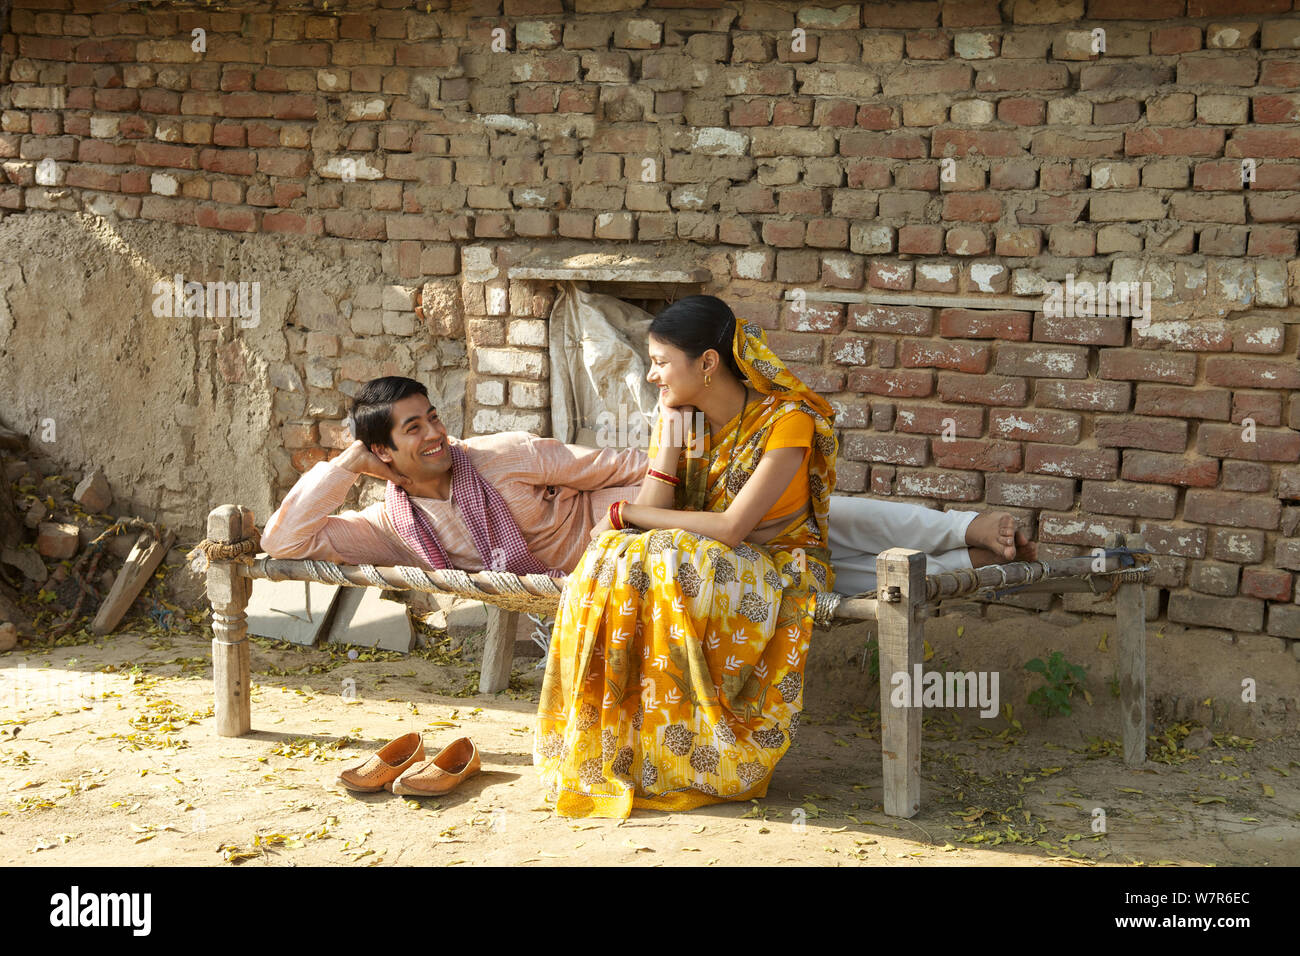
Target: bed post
x,y
498,649
228,591
900,591
1130,621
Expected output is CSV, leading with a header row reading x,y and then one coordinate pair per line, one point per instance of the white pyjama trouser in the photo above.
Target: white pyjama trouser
x,y
861,528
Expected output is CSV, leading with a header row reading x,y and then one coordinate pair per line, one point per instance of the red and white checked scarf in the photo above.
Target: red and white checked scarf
x,y
496,535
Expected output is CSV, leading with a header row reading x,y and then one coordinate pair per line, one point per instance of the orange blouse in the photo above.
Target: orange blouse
x,y
794,430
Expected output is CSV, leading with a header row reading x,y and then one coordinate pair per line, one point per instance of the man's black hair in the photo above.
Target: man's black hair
x,y
372,408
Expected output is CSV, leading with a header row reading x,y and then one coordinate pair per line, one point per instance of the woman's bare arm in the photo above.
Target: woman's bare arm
x,y
769,481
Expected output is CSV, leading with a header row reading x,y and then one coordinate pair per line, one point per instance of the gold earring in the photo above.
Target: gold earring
x,y
706,381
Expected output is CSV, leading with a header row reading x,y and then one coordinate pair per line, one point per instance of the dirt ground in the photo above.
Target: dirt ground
x,y
109,756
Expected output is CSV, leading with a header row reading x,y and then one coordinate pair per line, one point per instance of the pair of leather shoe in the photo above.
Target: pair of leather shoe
x,y
400,767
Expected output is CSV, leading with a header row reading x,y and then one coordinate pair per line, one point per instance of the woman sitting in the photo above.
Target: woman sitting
x,y
675,669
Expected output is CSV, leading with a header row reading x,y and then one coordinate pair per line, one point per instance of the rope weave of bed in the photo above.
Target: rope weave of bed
x,y
540,594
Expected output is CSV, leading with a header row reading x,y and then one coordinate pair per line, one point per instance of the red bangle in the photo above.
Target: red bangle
x,y
616,515
669,479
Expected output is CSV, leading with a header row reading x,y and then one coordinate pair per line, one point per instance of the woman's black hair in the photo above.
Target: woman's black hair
x,y
372,408
696,324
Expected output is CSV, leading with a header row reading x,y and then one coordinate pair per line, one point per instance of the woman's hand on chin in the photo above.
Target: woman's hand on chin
x,y
674,422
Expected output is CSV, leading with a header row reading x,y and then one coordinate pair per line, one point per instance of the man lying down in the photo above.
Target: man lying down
x,y
519,503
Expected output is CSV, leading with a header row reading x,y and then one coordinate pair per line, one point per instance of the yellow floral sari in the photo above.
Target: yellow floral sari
x,y
675,672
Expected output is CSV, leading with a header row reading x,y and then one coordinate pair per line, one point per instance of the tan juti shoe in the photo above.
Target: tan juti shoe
x,y
380,769
455,763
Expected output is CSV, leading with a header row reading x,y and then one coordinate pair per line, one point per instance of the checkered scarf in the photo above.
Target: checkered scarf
x,y
496,535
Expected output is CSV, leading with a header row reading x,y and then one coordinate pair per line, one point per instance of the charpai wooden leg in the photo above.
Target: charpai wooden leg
x,y
228,591
498,650
901,632
1131,622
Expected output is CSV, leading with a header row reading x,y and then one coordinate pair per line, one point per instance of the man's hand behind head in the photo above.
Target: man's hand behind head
x,y
360,459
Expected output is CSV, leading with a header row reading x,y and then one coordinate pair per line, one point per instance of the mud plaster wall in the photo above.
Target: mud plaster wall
x,y
777,169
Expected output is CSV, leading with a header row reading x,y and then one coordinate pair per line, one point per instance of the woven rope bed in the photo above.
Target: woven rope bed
x,y
904,597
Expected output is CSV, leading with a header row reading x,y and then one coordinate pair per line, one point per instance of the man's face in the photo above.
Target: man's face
x,y
422,451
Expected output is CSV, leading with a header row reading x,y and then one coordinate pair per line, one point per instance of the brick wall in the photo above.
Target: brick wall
x,y
789,149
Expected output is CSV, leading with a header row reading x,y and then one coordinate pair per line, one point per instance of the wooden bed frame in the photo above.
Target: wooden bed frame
x,y
904,597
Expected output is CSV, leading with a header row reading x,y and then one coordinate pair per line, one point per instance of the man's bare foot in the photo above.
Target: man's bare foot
x,y
995,532
1026,550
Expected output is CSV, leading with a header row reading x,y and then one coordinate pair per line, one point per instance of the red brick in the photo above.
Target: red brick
x,y
1250,476
90,177
901,15
1231,509
1088,395
1202,610
1005,74
960,143
936,419
903,144
235,162
1120,498
896,276
292,222
117,101
964,454
1039,361
1174,40
902,384
1085,530
1266,584
1283,73
972,207
960,357
1022,111
298,54
1208,403
944,485
1225,441
1062,428
162,154
1275,108
1019,242
892,449
984,324
1125,10
98,151
1272,242
896,319
1251,373
1235,8
1139,365
1030,491
1161,469
971,13
1215,69
1264,143
354,225
982,389
105,51
920,240
1263,408
1071,462
966,241
1133,431
1174,539
1173,141
232,220
293,164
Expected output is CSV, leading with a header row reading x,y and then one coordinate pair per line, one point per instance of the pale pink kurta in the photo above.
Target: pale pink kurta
x,y
556,492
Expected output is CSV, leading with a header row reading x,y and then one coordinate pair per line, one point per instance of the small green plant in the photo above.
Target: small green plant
x,y
1113,684
1064,680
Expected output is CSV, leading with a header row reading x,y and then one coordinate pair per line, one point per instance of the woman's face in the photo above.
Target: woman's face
x,y
678,377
